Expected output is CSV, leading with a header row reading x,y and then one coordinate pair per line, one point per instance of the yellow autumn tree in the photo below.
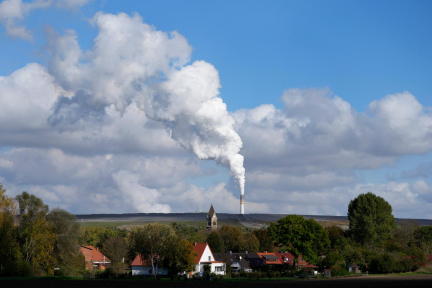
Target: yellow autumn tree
x,y
10,255
36,236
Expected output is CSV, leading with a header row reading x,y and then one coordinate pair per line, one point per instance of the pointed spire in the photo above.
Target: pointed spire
x,y
211,211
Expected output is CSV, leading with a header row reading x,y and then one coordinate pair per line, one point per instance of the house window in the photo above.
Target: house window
x,y
218,269
209,258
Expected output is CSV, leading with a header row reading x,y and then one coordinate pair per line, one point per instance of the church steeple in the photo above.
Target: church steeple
x,y
211,219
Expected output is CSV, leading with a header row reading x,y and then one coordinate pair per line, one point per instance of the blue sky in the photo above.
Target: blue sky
x,y
361,50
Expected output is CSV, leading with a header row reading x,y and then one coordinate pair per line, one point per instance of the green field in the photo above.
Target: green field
x,y
127,224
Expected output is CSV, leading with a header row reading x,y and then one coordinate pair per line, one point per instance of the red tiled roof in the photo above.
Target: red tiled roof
x,y
139,262
92,254
291,259
199,249
263,256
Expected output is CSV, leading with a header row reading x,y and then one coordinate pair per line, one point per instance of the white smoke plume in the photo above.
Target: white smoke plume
x,y
132,62
198,120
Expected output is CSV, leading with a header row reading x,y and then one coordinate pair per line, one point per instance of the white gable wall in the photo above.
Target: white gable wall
x,y
207,256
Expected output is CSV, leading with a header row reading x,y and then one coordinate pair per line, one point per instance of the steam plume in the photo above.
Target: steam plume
x,y
133,62
189,106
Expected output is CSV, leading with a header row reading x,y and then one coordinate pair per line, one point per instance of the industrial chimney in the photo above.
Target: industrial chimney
x,y
242,204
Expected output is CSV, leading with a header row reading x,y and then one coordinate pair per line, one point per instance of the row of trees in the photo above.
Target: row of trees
x,y
35,240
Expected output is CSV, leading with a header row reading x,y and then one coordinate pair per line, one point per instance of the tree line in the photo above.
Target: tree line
x,y
35,240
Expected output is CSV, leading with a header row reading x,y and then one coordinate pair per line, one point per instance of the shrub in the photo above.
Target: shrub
x,y
384,263
338,271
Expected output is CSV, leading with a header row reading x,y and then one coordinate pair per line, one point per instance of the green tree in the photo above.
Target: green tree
x,y
249,243
333,259
116,250
215,242
35,235
299,236
336,237
153,242
383,263
181,258
232,237
371,219
10,255
199,237
67,233
184,231
353,255
96,236
423,238
265,241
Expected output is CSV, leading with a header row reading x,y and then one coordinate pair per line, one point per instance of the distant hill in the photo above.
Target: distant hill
x,y
178,217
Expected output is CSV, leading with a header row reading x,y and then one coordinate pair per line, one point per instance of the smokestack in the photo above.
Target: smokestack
x,y
242,204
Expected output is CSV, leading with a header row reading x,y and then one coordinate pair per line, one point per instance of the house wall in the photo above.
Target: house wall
x,y
200,268
207,256
146,270
213,268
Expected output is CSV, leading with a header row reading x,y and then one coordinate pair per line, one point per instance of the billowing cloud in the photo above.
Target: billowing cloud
x,y
308,153
107,130
52,175
318,134
141,198
182,97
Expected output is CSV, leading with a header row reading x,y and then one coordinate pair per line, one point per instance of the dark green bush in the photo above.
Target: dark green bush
x,y
338,271
384,263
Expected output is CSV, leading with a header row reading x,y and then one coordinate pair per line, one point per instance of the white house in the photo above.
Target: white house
x,y
205,257
140,267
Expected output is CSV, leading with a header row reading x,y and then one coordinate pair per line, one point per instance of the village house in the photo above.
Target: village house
x,y
353,268
238,262
205,257
94,258
270,258
144,267
288,258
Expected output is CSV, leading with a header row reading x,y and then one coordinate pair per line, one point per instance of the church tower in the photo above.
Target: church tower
x,y
211,219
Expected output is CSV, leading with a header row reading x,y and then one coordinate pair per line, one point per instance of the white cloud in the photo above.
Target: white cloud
x,y
148,67
304,157
26,97
12,12
188,197
141,198
103,131
316,133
